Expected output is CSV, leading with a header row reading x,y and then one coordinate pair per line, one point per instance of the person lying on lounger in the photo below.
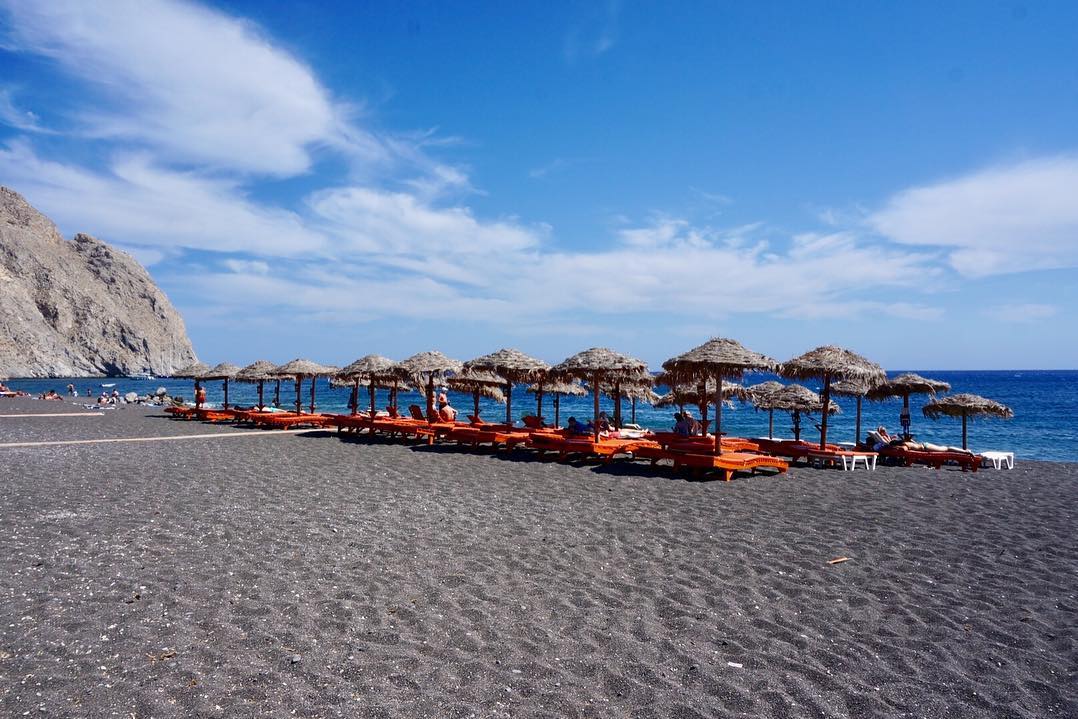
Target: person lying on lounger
x,y
51,394
879,438
576,427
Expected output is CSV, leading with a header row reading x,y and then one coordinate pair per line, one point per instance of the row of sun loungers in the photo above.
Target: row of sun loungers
x,y
690,453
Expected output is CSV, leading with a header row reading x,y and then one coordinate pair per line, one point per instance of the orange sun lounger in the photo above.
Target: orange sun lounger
x,y
287,420
936,460
727,462
495,436
564,445
180,412
704,444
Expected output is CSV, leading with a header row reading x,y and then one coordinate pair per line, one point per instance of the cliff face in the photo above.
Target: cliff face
x,y
78,308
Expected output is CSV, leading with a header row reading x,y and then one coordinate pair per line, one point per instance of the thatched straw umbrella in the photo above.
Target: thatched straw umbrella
x,y
425,368
832,363
701,394
717,358
599,364
224,371
632,388
858,390
558,388
480,384
193,371
369,367
300,368
795,399
259,372
966,406
757,394
514,366
903,386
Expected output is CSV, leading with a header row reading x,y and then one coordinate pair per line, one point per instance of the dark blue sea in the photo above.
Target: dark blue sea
x,y
1045,404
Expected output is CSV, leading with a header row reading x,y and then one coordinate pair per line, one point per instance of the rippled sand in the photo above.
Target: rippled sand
x,y
305,575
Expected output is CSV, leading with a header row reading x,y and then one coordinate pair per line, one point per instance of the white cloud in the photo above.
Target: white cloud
x,y
139,203
1004,219
400,223
15,117
192,82
595,35
1022,313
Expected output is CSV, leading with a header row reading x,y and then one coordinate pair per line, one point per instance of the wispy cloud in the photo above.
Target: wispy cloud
x,y
1011,218
594,35
20,119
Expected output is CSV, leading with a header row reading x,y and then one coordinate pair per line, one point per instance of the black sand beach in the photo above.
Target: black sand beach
x,y
304,575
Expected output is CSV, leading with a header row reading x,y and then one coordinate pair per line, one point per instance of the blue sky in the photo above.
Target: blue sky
x,y
335,179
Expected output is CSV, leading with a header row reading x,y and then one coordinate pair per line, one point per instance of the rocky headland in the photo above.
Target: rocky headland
x,y
78,308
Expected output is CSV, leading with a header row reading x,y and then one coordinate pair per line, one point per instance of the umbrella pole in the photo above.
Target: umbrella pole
x,y
702,392
557,409
797,425
261,404
964,431
904,418
718,414
770,424
595,396
277,395
617,405
197,403
539,403
314,381
475,400
633,410
370,389
430,396
393,397
826,407
299,402
857,435
509,403
354,404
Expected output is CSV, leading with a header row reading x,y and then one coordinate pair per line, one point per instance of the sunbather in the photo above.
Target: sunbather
x,y
576,427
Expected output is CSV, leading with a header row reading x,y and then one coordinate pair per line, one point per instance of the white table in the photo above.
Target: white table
x,y
998,459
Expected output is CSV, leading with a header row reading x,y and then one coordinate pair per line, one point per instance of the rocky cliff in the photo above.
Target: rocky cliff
x,y
78,308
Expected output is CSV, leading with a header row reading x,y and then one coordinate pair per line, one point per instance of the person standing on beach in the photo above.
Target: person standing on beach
x,y
200,396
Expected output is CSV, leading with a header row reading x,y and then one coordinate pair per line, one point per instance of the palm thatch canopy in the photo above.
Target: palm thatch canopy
x,y
192,371
303,368
602,361
691,394
831,363
428,365
966,405
257,371
511,364
907,384
834,362
850,388
370,365
718,356
573,389
468,379
225,370
794,398
338,381
763,389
